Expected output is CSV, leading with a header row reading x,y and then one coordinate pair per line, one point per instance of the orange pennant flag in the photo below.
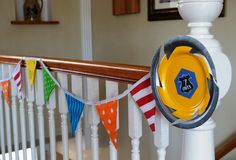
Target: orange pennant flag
x,y
108,115
6,86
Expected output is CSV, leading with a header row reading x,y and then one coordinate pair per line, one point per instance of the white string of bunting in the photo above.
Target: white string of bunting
x,y
140,91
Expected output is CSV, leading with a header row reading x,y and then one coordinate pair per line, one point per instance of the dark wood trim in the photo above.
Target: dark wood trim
x,y
123,7
35,22
226,147
111,71
167,14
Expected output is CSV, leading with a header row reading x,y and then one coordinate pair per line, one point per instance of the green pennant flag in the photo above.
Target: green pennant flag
x,y
48,85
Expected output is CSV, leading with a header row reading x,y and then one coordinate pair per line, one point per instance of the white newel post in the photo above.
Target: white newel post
x,y
198,143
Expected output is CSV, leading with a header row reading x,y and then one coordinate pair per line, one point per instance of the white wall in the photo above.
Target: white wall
x,y
61,40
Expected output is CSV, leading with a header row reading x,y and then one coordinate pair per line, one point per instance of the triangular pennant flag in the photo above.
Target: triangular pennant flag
x,y
48,85
31,67
75,108
6,87
143,96
108,115
18,79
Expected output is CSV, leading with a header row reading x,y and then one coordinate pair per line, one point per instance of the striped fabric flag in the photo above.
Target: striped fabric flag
x,y
18,79
75,108
142,94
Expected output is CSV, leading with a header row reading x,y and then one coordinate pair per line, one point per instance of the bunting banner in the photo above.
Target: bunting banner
x,y
108,115
75,108
48,85
142,94
18,79
31,68
157,89
6,87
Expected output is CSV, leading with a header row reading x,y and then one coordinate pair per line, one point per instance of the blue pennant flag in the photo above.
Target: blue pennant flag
x,y
75,108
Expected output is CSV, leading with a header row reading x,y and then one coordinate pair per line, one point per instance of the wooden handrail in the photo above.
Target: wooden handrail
x,y
226,147
111,71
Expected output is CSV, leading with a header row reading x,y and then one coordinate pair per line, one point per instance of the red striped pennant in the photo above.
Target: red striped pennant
x,y
17,78
142,94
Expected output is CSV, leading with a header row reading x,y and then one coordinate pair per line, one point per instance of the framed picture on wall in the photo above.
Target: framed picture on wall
x,y
166,10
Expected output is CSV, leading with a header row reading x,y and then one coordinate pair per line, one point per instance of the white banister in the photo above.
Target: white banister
x,y
14,114
161,136
51,120
2,131
93,95
5,73
39,93
112,91
200,15
77,89
63,80
30,96
22,117
135,127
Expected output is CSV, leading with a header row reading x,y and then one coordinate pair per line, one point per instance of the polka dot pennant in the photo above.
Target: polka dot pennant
x,y
31,67
6,87
48,84
108,115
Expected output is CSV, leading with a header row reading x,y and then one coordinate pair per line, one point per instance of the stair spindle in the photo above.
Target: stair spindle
x,y
161,136
30,96
135,127
5,73
77,89
40,104
22,117
51,120
2,131
63,80
93,95
14,113
112,91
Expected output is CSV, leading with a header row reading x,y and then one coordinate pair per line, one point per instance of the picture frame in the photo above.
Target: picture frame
x,y
159,10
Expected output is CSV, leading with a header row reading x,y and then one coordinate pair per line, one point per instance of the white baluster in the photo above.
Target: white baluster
x,y
112,91
135,127
14,113
51,120
77,89
161,136
5,73
63,80
93,95
40,104
22,117
200,15
30,100
2,130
